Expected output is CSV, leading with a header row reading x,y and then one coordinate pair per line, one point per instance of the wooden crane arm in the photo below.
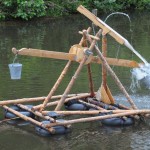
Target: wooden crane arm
x,y
73,56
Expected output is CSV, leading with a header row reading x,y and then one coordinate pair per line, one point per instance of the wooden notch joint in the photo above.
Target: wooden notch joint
x,y
92,36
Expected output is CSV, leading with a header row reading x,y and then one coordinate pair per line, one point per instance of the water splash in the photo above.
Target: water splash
x,y
141,74
118,13
126,43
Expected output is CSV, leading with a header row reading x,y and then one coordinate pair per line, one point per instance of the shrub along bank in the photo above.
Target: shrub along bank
x,y
28,9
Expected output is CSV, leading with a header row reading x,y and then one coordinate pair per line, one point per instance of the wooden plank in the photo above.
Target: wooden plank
x,y
44,53
101,24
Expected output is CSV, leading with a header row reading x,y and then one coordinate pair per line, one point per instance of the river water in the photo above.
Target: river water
x,y
39,75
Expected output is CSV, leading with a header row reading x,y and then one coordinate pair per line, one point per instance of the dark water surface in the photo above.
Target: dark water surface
x,y
39,75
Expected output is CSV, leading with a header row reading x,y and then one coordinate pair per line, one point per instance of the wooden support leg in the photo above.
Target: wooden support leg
x,y
56,85
83,43
112,73
62,100
91,85
60,78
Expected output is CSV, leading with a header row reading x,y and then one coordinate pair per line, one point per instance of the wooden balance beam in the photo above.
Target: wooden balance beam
x,y
73,57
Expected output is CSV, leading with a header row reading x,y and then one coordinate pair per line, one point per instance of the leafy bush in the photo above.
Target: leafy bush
x,y
22,9
27,9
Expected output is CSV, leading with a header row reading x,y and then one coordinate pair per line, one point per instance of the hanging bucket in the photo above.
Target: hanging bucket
x,y
15,70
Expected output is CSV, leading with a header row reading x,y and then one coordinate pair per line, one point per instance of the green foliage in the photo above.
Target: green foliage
x,y
27,9
108,5
22,9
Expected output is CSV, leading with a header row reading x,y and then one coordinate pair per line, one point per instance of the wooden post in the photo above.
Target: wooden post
x,y
112,73
91,85
104,53
92,112
51,130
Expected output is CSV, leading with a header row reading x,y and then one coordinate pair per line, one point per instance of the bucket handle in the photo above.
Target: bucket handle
x,y
16,58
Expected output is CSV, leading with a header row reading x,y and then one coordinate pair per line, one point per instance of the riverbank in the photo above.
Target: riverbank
x,y
27,10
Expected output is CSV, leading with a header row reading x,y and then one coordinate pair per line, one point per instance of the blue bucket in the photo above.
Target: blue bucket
x,y
15,70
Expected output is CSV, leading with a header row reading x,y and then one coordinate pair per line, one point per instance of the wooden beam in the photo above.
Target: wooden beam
x,y
101,24
44,53
72,57
92,112
88,119
35,99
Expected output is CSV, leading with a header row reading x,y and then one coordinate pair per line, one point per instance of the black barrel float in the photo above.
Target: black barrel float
x,y
117,121
58,129
74,104
19,121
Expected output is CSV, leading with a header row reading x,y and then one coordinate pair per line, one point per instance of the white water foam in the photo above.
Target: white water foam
x,y
140,75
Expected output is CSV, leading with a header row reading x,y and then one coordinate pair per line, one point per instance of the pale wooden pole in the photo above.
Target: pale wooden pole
x,y
104,53
91,84
35,99
72,81
83,43
55,85
40,124
66,100
126,113
112,73
91,105
92,112
37,113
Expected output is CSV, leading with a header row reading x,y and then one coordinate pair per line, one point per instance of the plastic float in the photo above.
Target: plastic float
x,y
100,104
